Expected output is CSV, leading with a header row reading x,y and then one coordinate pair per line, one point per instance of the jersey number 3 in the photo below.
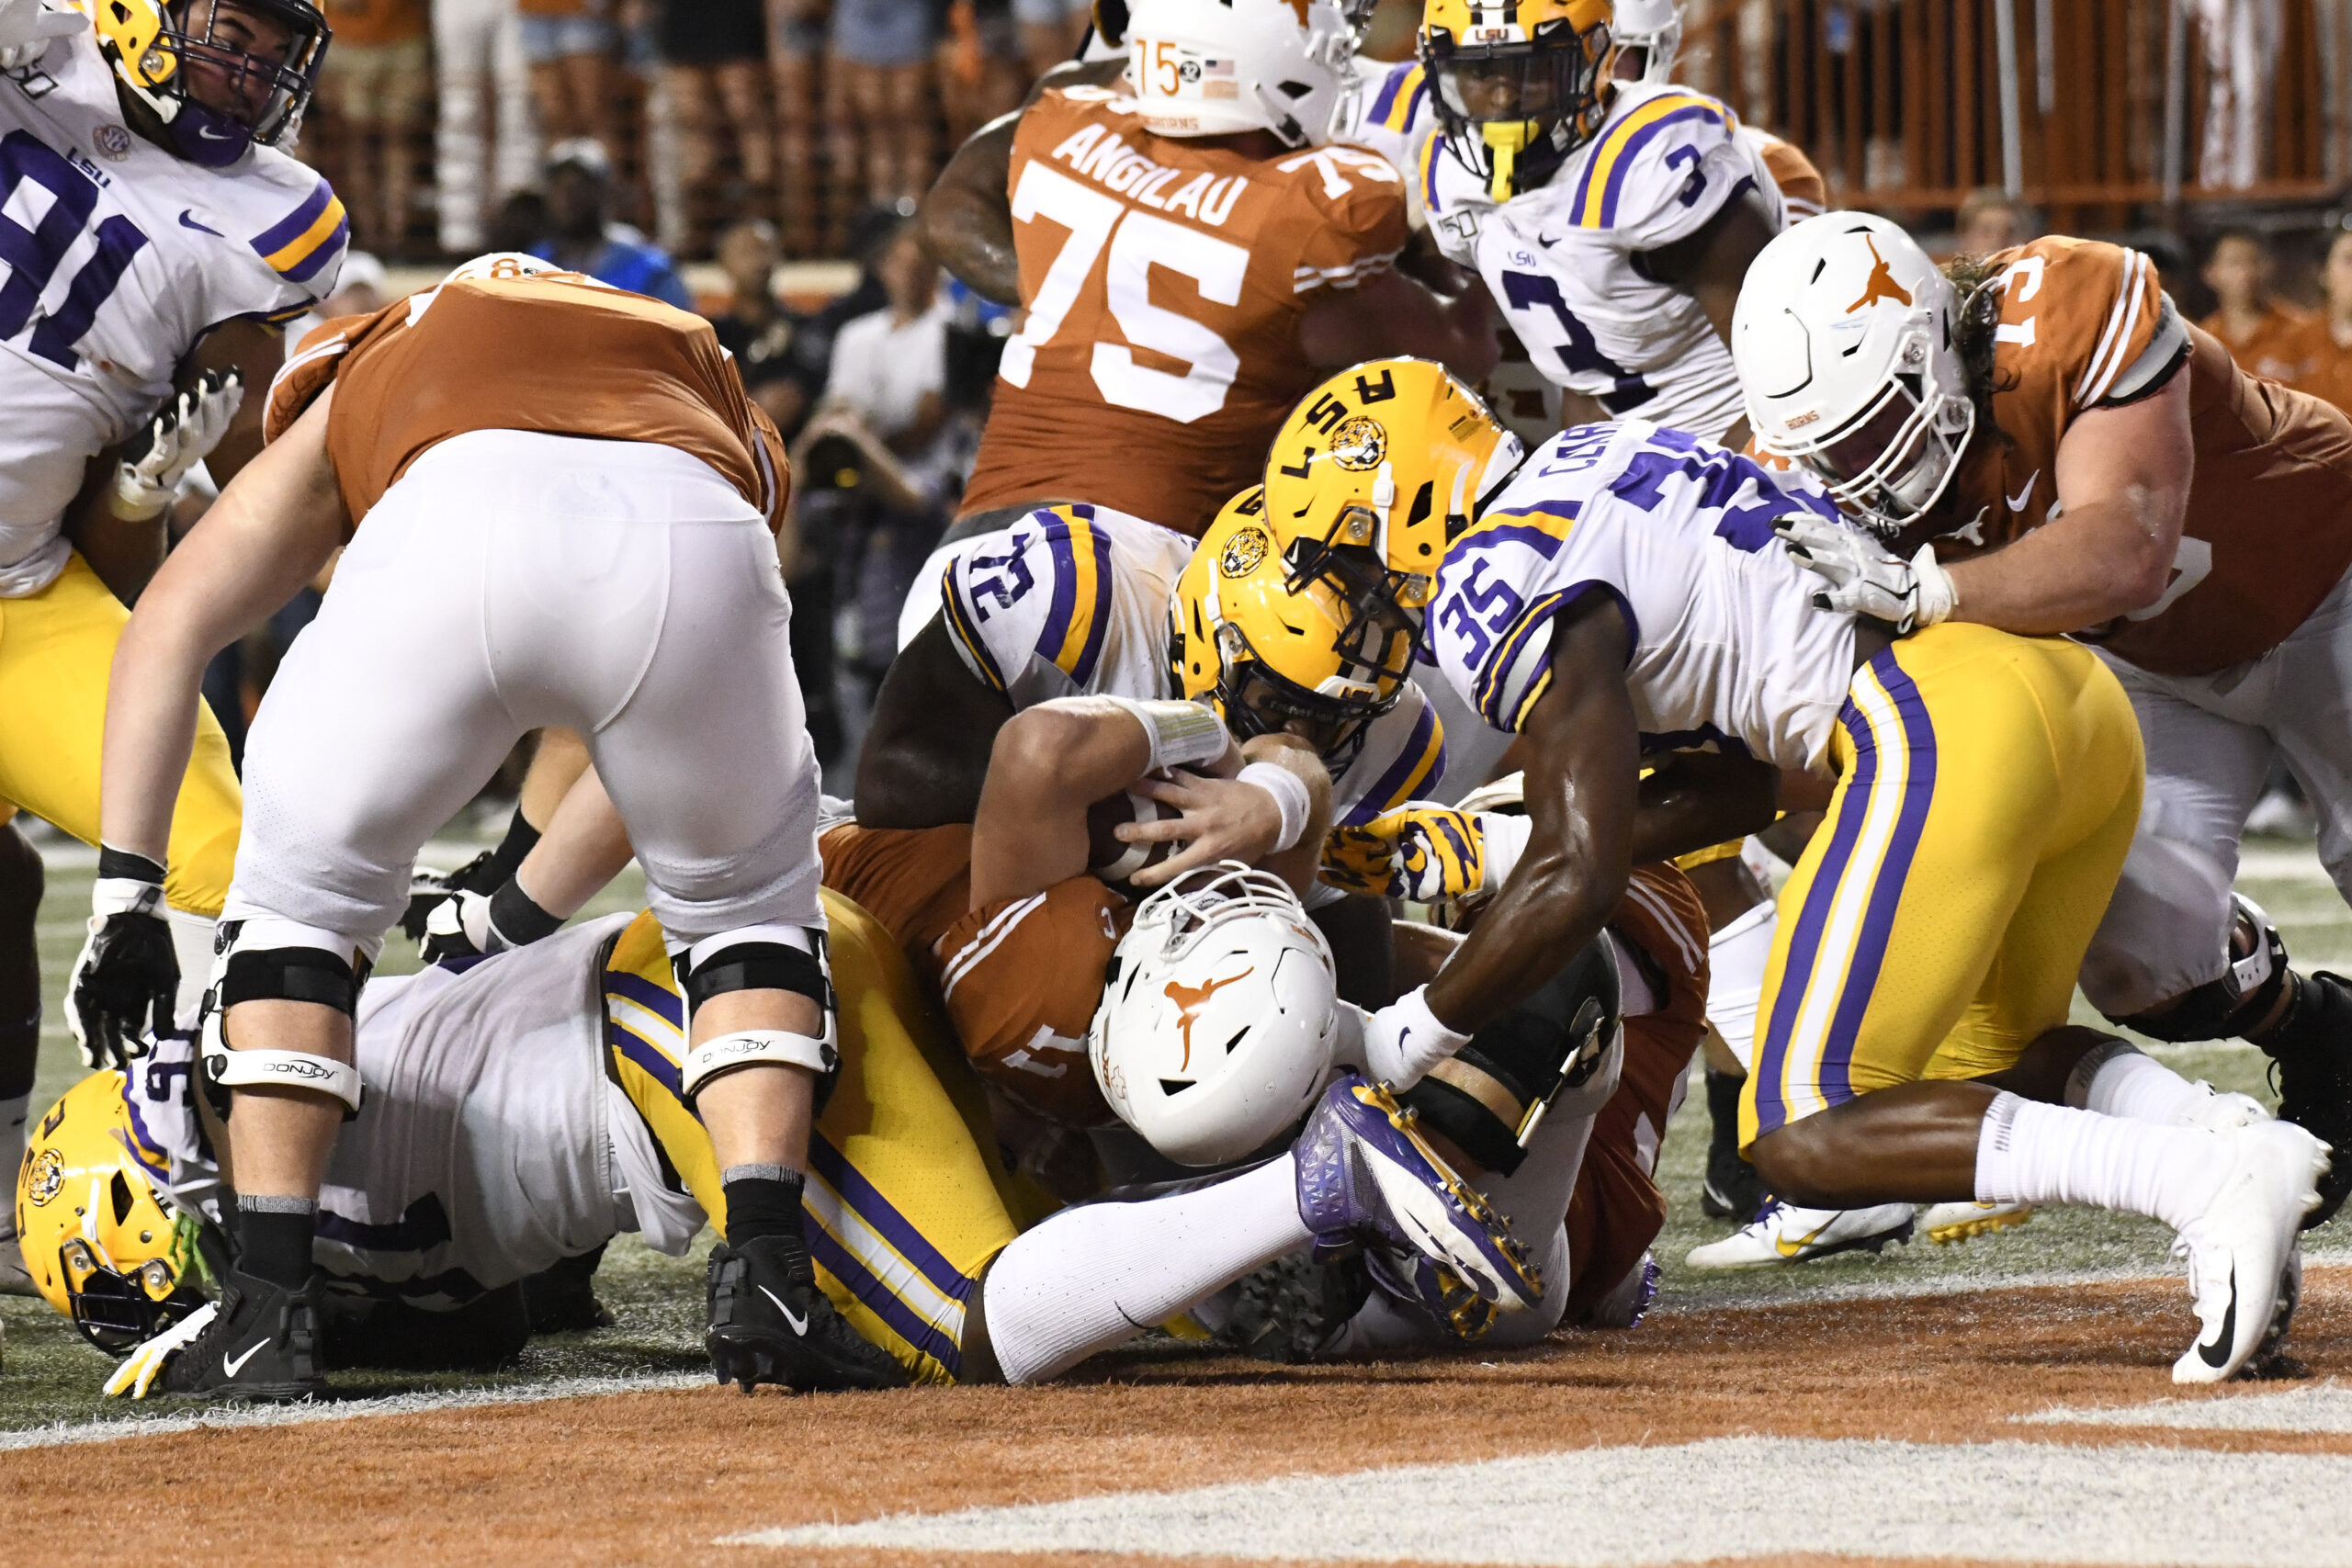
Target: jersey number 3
x,y
1137,243
63,197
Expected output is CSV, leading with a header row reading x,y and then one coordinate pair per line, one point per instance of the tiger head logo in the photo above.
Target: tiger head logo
x,y
47,1177
1359,444
1244,552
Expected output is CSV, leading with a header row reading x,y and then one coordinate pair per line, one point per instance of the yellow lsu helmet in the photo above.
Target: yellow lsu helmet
x,y
260,56
1273,655
104,1239
1518,86
1375,473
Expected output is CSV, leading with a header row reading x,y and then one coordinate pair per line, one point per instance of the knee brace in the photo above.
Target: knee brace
x,y
277,961
759,958
2243,994
1494,1092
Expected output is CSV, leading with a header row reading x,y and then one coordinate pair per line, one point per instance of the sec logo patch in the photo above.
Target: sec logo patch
x,y
1359,444
48,1175
1244,552
112,142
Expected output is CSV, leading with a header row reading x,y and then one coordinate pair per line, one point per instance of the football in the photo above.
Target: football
x,y
1106,855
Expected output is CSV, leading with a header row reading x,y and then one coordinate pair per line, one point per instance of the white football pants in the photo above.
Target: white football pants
x,y
478,45
510,580
2209,740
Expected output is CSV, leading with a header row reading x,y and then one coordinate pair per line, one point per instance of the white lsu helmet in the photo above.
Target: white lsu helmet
x,y
1843,339
1216,67
1653,26
1216,1027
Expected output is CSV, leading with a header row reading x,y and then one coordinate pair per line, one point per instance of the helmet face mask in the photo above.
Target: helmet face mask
x,y
220,74
1514,99
1649,37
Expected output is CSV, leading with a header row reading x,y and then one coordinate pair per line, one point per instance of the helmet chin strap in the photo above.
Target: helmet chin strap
x,y
1506,139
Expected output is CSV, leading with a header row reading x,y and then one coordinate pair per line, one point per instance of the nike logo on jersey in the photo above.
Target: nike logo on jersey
x,y
799,1324
187,220
2216,1352
2025,492
232,1365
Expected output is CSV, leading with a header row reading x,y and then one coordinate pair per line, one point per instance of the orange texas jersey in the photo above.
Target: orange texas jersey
x,y
1803,190
2269,524
1165,279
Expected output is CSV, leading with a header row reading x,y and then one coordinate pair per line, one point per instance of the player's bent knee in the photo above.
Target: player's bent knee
x,y
2240,997
1526,1065
269,960
759,958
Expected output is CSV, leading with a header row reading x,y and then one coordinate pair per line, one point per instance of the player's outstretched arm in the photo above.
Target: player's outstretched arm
x,y
2123,477
1582,770
1391,313
1698,799
927,744
269,532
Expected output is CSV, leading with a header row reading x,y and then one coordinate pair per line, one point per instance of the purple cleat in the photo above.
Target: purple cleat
x,y
1366,1176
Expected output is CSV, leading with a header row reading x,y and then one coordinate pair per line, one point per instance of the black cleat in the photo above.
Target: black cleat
x,y
263,1344
2312,1065
769,1323
561,1298
1732,1190
1292,1309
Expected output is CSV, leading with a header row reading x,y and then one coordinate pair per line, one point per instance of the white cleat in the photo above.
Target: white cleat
x,y
1786,1234
2241,1247
2218,1111
1948,1223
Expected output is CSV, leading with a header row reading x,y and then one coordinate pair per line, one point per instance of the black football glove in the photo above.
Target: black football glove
x,y
126,982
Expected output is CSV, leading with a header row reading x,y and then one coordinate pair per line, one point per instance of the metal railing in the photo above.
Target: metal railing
x,y
2087,108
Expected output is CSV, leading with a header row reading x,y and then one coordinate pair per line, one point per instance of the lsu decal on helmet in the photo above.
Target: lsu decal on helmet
x,y
1274,656
1843,340
1215,67
104,1240
1217,1021
221,74
1519,86
1648,35
1375,473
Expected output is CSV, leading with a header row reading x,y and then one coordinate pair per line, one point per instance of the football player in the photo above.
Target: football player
x,y
579,534
1627,589
528,1107
1210,169
156,237
2040,442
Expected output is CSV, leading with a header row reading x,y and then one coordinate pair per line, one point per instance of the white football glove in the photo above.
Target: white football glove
x,y
1866,578
144,1364
460,927
27,27
174,441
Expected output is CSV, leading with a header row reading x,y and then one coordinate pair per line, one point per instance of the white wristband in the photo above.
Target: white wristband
x,y
1182,733
1290,798
1503,837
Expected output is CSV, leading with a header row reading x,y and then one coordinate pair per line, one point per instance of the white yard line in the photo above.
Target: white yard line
x,y
1725,1497
227,1416
2323,1407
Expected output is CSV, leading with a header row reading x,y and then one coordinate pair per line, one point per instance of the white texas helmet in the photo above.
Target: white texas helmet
x,y
503,264
1652,26
1215,1029
1215,67
1843,340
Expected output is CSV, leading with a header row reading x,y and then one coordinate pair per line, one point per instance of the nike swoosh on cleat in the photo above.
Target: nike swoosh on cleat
x,y
799,1325
187,220
2217,1354
232,1365
1791,1249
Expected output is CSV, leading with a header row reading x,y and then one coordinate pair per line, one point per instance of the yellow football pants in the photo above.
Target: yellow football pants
x,y
56,656
1988,787
905,1196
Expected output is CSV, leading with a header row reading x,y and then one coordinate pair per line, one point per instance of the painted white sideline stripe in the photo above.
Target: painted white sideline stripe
x,y
2323,1407
1723,1497
229,1415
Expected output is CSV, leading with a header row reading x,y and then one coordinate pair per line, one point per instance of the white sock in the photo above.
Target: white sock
x,y
2033,1153
2119,1079
1098,1275
12,1147
1736,957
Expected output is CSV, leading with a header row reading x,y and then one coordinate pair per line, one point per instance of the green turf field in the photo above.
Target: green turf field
x,y
49,1375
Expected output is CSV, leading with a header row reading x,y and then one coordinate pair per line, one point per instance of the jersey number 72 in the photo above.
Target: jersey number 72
x,y
1138,241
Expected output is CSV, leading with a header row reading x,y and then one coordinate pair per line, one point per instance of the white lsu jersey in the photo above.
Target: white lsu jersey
x,y
1560,260
1728,651
490,1143
116,258
1072,601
